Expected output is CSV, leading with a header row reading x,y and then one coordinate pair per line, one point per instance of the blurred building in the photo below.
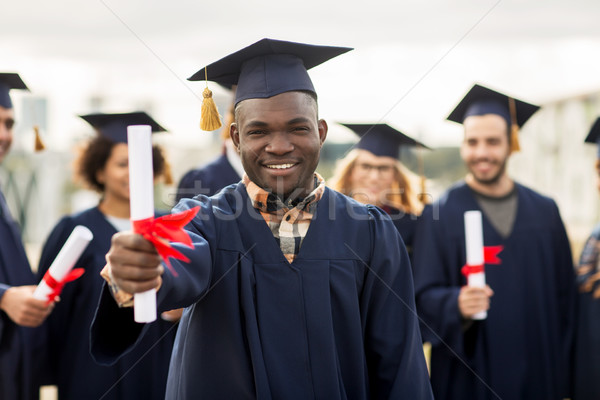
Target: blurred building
x,y
555,161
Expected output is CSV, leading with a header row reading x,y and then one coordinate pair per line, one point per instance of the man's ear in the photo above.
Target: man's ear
x,y
235,136
323,128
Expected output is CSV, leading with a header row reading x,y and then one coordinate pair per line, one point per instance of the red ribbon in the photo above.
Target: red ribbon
x,y
490,256
57,286
169,228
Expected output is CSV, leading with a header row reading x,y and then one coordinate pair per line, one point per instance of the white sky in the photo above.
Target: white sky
x,y
413,60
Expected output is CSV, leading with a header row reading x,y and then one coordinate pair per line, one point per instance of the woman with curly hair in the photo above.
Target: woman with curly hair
x,y
103,166
371,173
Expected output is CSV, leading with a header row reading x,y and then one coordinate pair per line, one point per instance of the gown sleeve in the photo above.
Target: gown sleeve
x,y
393,347
107,343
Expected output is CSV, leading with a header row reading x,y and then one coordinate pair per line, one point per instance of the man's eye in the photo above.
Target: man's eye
x,y
257,132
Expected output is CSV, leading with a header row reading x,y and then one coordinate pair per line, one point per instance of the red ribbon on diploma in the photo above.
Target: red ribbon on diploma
x,y
57,286
169,228
490,256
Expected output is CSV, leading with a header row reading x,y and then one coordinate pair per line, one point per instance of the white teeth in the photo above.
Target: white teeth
x,y
280,166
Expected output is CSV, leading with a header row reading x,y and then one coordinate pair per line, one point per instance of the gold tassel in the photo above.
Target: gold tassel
x,y
514,138
168,174
422,196
210,119
39,145
514,127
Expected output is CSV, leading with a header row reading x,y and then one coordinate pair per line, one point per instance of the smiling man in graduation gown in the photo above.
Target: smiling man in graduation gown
x,y
522,350
20,311
293,291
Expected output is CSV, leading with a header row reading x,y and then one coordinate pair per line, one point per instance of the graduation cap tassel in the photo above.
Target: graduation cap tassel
x,y
210,119
39,145
168,174
422,180
514,128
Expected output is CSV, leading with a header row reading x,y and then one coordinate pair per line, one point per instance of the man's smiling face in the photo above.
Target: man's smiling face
x,y
279,140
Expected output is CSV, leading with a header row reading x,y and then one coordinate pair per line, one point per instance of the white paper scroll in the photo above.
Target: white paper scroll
x,y
141,200
474,245
65,260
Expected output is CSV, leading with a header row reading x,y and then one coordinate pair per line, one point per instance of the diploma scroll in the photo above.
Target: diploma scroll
x,y
141,200
475,253
60,269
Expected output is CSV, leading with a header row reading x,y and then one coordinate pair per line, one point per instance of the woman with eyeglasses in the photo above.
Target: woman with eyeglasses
x,y
372,173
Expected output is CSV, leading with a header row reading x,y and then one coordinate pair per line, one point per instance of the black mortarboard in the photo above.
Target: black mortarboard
x,y
268,67
381,139
8,81
594,135
481,101
114,126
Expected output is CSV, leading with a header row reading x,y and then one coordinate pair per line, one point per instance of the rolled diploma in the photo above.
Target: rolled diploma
x,y
65,260
141,200
474,245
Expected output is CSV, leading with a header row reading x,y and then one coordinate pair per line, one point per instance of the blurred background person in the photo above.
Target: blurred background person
x,y
220,172
102,165
523,348
20,310
372,173
587,343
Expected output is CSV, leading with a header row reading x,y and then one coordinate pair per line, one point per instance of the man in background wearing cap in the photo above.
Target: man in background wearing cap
x,y
275,309
522,349
19,308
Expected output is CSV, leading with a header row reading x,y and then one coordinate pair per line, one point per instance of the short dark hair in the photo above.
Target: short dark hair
x,y
96,153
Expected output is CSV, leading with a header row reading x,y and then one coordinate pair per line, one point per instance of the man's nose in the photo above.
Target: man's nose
x,y
280,143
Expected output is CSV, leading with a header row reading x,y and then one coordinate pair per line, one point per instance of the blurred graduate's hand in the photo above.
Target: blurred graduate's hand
x,y
25,310
472,300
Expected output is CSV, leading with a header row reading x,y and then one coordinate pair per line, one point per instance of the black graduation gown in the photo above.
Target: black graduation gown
x,y
208,179
406,224
587,343
71,366
337,323
17,380
523,349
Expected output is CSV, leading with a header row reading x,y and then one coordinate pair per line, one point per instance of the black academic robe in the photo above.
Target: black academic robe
x,y
207,180
406,224
17,344
137,375
337,323
587,343
523,349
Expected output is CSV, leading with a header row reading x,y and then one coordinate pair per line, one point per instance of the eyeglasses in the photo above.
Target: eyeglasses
x,y
381,169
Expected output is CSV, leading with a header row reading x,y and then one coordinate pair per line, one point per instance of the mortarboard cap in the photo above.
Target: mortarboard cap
x,y
381,139
114,126
481,101
9,81
268,67
594,135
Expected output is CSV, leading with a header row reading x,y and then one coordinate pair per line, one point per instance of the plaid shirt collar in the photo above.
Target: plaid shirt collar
x,y
268,202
